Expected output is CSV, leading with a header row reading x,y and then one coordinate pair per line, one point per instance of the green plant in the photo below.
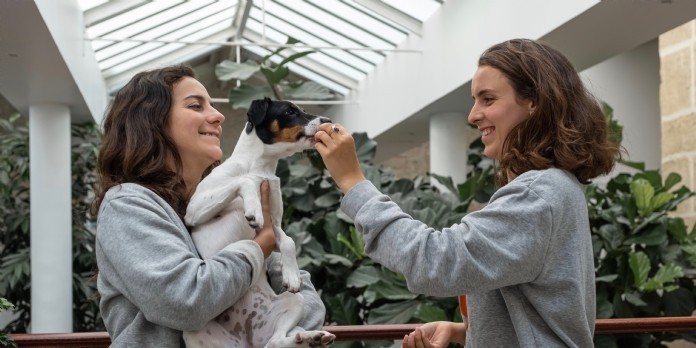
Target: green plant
x,y
14,233
5,339
276,76
645,259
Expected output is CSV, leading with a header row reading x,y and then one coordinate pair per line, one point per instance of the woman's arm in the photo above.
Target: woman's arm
x,y
146,254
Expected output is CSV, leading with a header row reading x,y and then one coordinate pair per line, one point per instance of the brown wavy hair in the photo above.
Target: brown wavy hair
x,y
567,128
135,147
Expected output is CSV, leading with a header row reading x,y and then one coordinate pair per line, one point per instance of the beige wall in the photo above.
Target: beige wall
x,y
678,109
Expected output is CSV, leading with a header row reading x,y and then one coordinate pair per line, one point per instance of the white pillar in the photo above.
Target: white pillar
x,y
630,84
449,144
51,220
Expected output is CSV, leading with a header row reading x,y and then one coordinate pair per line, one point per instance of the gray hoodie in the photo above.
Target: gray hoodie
x,y
154,285
524,261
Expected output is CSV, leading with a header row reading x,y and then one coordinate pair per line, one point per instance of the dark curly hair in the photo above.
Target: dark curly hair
x,y
567,128
135,148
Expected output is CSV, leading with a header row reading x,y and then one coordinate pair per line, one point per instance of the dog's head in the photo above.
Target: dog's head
x,y
282,124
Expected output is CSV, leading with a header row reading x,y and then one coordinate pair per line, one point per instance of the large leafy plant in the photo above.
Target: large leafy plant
x,y
14,232
645,259
5,339
276,82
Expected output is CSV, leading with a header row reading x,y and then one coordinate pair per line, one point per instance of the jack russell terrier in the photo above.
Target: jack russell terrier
x,y
229,196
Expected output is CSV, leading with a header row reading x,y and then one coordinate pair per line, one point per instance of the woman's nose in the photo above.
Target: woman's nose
x,y
474,115
216,117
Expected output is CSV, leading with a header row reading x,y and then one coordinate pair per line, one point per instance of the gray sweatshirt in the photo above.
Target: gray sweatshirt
x,y
524,261
153,284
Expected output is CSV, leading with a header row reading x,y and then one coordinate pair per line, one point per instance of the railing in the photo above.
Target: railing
x,y
364,332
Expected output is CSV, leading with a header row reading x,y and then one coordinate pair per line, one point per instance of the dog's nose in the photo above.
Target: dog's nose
x,y
323,119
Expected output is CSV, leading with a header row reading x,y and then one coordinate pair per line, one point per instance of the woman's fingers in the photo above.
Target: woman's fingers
x,y
265,204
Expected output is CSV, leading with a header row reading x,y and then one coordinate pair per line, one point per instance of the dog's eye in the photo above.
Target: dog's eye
x,y
289,112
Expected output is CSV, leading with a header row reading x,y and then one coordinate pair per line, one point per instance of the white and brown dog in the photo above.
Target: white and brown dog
x,y
229,196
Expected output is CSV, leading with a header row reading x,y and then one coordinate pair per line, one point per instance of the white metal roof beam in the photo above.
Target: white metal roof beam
x,y
393,14
109,10
241,16
181,55
239,23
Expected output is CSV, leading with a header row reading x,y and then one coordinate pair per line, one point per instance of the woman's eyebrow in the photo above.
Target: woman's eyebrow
x,y
194,96
482,91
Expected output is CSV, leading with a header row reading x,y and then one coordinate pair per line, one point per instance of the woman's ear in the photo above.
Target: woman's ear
x,y
531,107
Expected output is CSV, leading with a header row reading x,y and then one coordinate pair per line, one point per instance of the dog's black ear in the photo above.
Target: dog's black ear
x,y
257,113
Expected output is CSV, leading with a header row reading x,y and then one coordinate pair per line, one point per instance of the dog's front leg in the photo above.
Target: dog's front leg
x,y
206,203
209,202
284,244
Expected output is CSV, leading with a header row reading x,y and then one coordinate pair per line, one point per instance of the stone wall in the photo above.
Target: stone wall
x,y
678,109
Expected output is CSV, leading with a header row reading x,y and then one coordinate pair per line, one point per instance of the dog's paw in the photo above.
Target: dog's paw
x,y
314,338
255,221
253,214
292,281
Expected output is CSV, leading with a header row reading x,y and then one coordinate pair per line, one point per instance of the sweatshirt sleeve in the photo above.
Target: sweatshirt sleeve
x,y
503,244
147,256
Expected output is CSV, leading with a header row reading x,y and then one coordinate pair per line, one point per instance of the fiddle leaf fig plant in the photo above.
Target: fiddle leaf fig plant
x,y
644,256
276,76
5,339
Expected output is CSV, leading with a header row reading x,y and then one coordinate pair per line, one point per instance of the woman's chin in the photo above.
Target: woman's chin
x,y
490,153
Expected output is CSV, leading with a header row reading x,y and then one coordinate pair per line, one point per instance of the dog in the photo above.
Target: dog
x,y
229,196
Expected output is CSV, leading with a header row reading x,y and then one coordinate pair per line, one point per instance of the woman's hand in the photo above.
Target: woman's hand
x,y
337,148
265,237
437,334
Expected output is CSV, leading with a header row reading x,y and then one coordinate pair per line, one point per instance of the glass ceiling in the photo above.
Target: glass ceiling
x,y
350,37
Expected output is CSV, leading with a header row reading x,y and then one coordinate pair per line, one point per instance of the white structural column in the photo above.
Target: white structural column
x,y
449,144
630,84
51,220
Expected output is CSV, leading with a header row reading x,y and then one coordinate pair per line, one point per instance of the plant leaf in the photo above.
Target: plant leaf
x,y
672,179
308,90
275,74
607,278
228,70
643,193
344,309
393,313
640,266
665,274
294,57
364,146
363,276
242,96
391,291
659,200
428,312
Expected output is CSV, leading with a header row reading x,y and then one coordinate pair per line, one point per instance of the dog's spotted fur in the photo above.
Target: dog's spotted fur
x,y
229,196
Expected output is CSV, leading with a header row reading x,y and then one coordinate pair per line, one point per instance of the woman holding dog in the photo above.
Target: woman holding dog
x,y
161,137
524,261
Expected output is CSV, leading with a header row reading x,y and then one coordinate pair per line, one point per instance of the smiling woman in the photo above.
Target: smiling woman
x,y
161,137
497,109
195,127
525,261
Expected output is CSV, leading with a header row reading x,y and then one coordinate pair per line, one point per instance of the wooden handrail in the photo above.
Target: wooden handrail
x,y
364,332
628,325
